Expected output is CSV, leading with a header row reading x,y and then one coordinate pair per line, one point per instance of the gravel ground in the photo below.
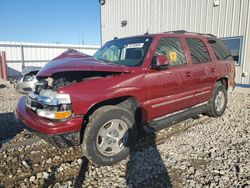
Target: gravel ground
x,y
215,153
8,98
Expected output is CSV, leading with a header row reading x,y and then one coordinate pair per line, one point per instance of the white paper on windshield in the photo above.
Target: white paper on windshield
x,y
135,45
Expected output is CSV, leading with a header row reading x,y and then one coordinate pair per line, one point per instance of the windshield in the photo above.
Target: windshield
x,y
128,52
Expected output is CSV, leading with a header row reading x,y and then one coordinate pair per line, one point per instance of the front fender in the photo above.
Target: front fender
x,y
86,94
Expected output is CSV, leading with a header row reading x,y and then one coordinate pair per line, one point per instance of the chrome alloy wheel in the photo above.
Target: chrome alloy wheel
x,y
220,101
112,137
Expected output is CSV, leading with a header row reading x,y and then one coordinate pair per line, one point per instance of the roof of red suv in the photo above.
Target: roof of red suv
x,y
174,33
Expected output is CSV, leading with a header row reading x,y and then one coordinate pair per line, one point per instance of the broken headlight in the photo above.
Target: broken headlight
x,y
50,104
29,78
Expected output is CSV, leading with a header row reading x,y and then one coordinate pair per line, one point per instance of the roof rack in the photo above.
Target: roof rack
x,y
186,32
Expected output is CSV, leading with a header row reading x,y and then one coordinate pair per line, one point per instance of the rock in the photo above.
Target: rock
x,y
25,164
9,159
45,175
32,178
57,157
39,175
49,160
14,159
79,161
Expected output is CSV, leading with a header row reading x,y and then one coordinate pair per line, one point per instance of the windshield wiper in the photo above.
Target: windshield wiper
x,y
103,60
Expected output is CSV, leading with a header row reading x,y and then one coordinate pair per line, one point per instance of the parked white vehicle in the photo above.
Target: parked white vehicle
x,y
26,83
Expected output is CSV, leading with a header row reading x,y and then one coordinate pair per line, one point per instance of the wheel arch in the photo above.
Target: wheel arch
x,y
130,103
122,101
224,81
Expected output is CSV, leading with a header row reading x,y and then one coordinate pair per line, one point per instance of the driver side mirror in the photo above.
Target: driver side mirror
x,y
160,62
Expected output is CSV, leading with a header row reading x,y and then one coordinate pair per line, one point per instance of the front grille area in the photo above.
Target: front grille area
x,y
34,105
41,84
27,89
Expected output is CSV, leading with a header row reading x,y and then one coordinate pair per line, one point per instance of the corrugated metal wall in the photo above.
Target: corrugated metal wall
x,y
35,54
230,18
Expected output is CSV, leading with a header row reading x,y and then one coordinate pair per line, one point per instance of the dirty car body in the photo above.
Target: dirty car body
x,y
73,86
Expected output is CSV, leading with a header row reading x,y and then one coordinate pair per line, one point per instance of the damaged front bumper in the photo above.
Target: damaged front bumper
x,y
59,133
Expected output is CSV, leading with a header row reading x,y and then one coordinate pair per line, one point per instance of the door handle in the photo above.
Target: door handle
x,y
212,69
188,74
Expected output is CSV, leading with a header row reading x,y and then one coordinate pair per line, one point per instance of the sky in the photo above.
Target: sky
x,y
50,21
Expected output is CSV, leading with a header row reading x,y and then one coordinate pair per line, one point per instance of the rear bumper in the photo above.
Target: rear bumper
x,y
61,134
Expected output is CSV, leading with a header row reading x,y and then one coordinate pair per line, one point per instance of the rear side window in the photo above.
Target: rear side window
x,y
220,49
171,47
198,50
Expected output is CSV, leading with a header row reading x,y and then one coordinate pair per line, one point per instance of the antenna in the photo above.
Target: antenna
x,y
82,37
78,36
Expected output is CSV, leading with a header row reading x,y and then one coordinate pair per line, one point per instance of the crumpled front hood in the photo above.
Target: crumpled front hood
x,y
68,62
30,69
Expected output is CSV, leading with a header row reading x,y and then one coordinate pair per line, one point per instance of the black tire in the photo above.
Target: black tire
x,y
213,110
96,122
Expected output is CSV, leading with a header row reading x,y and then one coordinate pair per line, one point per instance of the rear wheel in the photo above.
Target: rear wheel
x,y
109,135
218,103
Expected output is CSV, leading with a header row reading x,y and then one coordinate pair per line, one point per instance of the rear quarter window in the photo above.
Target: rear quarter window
x,y
221,51
198,51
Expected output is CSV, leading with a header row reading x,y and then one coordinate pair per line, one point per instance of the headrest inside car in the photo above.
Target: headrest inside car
x,y
133,54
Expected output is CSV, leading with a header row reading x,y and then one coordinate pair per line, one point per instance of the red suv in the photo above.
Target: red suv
x,y
153,80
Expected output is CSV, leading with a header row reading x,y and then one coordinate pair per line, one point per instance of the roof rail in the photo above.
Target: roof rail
x,y
177,31
186,32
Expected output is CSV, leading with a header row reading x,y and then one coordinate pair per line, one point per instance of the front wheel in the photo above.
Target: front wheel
x,y
109,135
218,103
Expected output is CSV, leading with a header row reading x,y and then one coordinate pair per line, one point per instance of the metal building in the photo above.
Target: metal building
x,y
227,19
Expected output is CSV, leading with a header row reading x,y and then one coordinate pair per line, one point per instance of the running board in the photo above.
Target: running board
x,y
167,121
